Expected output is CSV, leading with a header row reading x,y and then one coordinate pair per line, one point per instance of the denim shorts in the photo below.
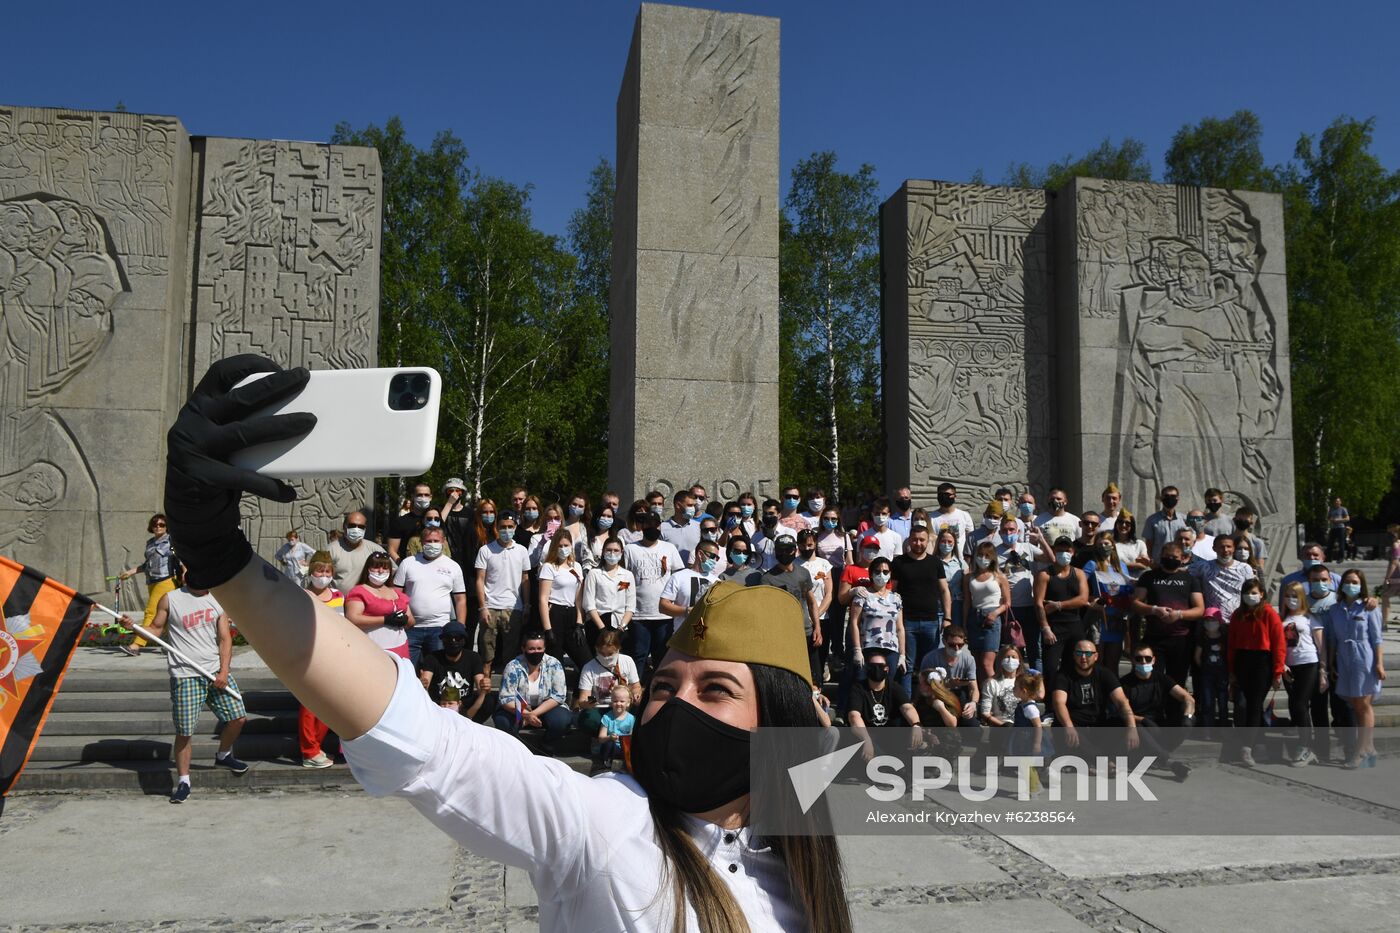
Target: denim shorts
x,y
981,637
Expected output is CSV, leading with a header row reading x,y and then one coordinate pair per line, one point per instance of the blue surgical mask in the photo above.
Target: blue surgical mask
x,y
790,503
689,511
829,524
747,510
575,511
708,565
604,522
611,558
1351,590
879,579
488,518
531,514
1319,589
709,535
432,523
882,519
945,549
1309,562
1143,669
1027,509
506,535
1012,538
739,559
1062,558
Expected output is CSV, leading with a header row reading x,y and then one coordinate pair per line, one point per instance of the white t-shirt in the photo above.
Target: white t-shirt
x,y
505,568
999,698
685,587
1017,563
1129,551
651,566
604,592
430,585
564,580
599,681
891,543
821,572
1055,526
1297,635
956,521
1204,548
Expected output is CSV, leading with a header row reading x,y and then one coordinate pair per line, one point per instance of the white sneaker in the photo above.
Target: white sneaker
x,y
320,761
1305,758
1247,757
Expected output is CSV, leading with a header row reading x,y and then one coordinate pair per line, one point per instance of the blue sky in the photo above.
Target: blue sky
x,y
920,90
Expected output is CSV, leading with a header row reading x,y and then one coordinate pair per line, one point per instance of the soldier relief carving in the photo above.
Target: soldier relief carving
x,y
978,297
1179,269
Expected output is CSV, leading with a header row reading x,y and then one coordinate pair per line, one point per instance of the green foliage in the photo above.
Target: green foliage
x,y
509,317
1342,213
1126,161
1220,154
829,329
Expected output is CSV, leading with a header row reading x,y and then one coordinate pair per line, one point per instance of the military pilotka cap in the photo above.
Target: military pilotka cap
x,y
747,624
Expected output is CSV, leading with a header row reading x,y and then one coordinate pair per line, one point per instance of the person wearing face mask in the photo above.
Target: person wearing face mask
x,y
1170,599
1255,656
1216,521
1322,596
762,540
671,840
855,576
685,587
1355,655
1312,556
901,516
748,513
950,557
999,702
411,522
1306,644
656,503
632,533
502,590
560,589
1061,593
1025,512
293,556
1132,550
823,574
1251,548
986,601
789,575
928,603
1149,691
710,533
682,530
350,551
1162,525
1110,597
737,556
1202,543
609,594
789,506
816,504
730,523
989,530
578,519
891,541
602,529
949,516
458,521
311,732
378,608
529,522
1211,676
551,521
603,673
880,702
456,668
1059,521
533,695
431,519
1222,578
436,590
1020,549
959,673
652,562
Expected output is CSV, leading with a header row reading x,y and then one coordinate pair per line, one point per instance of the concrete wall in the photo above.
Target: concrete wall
x,y
695,256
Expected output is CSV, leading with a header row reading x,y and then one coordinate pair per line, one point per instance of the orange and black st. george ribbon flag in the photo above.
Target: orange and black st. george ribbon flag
x,y
42,623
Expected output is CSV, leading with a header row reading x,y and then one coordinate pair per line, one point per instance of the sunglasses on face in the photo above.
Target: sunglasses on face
x,y
1085,654
1088,524
957,645
1144,660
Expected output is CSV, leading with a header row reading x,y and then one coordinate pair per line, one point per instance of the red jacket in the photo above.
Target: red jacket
x,y
1257,629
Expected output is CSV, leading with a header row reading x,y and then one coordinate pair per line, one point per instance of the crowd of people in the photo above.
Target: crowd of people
x,y
915,616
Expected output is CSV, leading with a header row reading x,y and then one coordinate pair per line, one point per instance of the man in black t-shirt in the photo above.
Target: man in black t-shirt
x,y
455,667
928,605
878,702
1088,697
1084,544
1152,695
1170,598
410,523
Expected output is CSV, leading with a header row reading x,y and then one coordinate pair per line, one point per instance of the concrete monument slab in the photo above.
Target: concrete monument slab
x,y
1307,904
694,301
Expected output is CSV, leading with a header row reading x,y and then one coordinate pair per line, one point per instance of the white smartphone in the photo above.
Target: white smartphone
x,y
369,422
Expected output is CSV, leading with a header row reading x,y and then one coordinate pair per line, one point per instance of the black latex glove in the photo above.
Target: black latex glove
x,y
201,487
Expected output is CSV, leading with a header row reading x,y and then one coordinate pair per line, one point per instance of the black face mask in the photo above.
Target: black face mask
x,y
453,645
785,554
946,499
690,760
876,673
651,534
1171,563
1169,502
1242,524
534,657
769,521
904,504
1213,507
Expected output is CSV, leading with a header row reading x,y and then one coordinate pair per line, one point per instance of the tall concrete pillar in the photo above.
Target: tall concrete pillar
x,y
694,300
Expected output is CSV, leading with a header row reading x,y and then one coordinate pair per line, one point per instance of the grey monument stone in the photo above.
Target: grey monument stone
x,y
106,219
1109,332
967,339
694,300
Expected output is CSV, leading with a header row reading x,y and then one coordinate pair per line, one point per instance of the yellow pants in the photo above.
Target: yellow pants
x,y
153,601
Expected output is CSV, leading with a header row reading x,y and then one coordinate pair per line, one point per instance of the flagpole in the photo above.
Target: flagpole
x,y
151,636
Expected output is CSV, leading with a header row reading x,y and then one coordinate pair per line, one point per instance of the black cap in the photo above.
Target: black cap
x,y
1063,541
456,629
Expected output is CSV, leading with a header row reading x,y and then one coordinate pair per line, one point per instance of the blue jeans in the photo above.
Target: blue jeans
x,y
982,638
421,639
556,722
647,645
920,637
1214,698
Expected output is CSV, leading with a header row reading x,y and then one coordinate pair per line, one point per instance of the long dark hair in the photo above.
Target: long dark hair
x,y
816,879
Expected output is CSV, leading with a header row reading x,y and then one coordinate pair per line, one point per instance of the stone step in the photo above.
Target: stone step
x,y
153,681
157,721
150,701
157,747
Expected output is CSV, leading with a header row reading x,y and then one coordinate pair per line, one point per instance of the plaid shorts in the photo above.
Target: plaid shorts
x,y
189,694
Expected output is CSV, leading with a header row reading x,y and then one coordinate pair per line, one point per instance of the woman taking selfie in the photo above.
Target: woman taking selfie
x,y
666,848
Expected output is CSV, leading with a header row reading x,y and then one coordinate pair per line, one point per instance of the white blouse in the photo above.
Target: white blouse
x,y
588,843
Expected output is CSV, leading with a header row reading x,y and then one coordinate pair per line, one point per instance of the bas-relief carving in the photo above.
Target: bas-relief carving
x,y
288,268
1197,357
978,287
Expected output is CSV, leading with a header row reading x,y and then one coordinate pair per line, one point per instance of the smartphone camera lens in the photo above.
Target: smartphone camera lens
x,y
408,391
